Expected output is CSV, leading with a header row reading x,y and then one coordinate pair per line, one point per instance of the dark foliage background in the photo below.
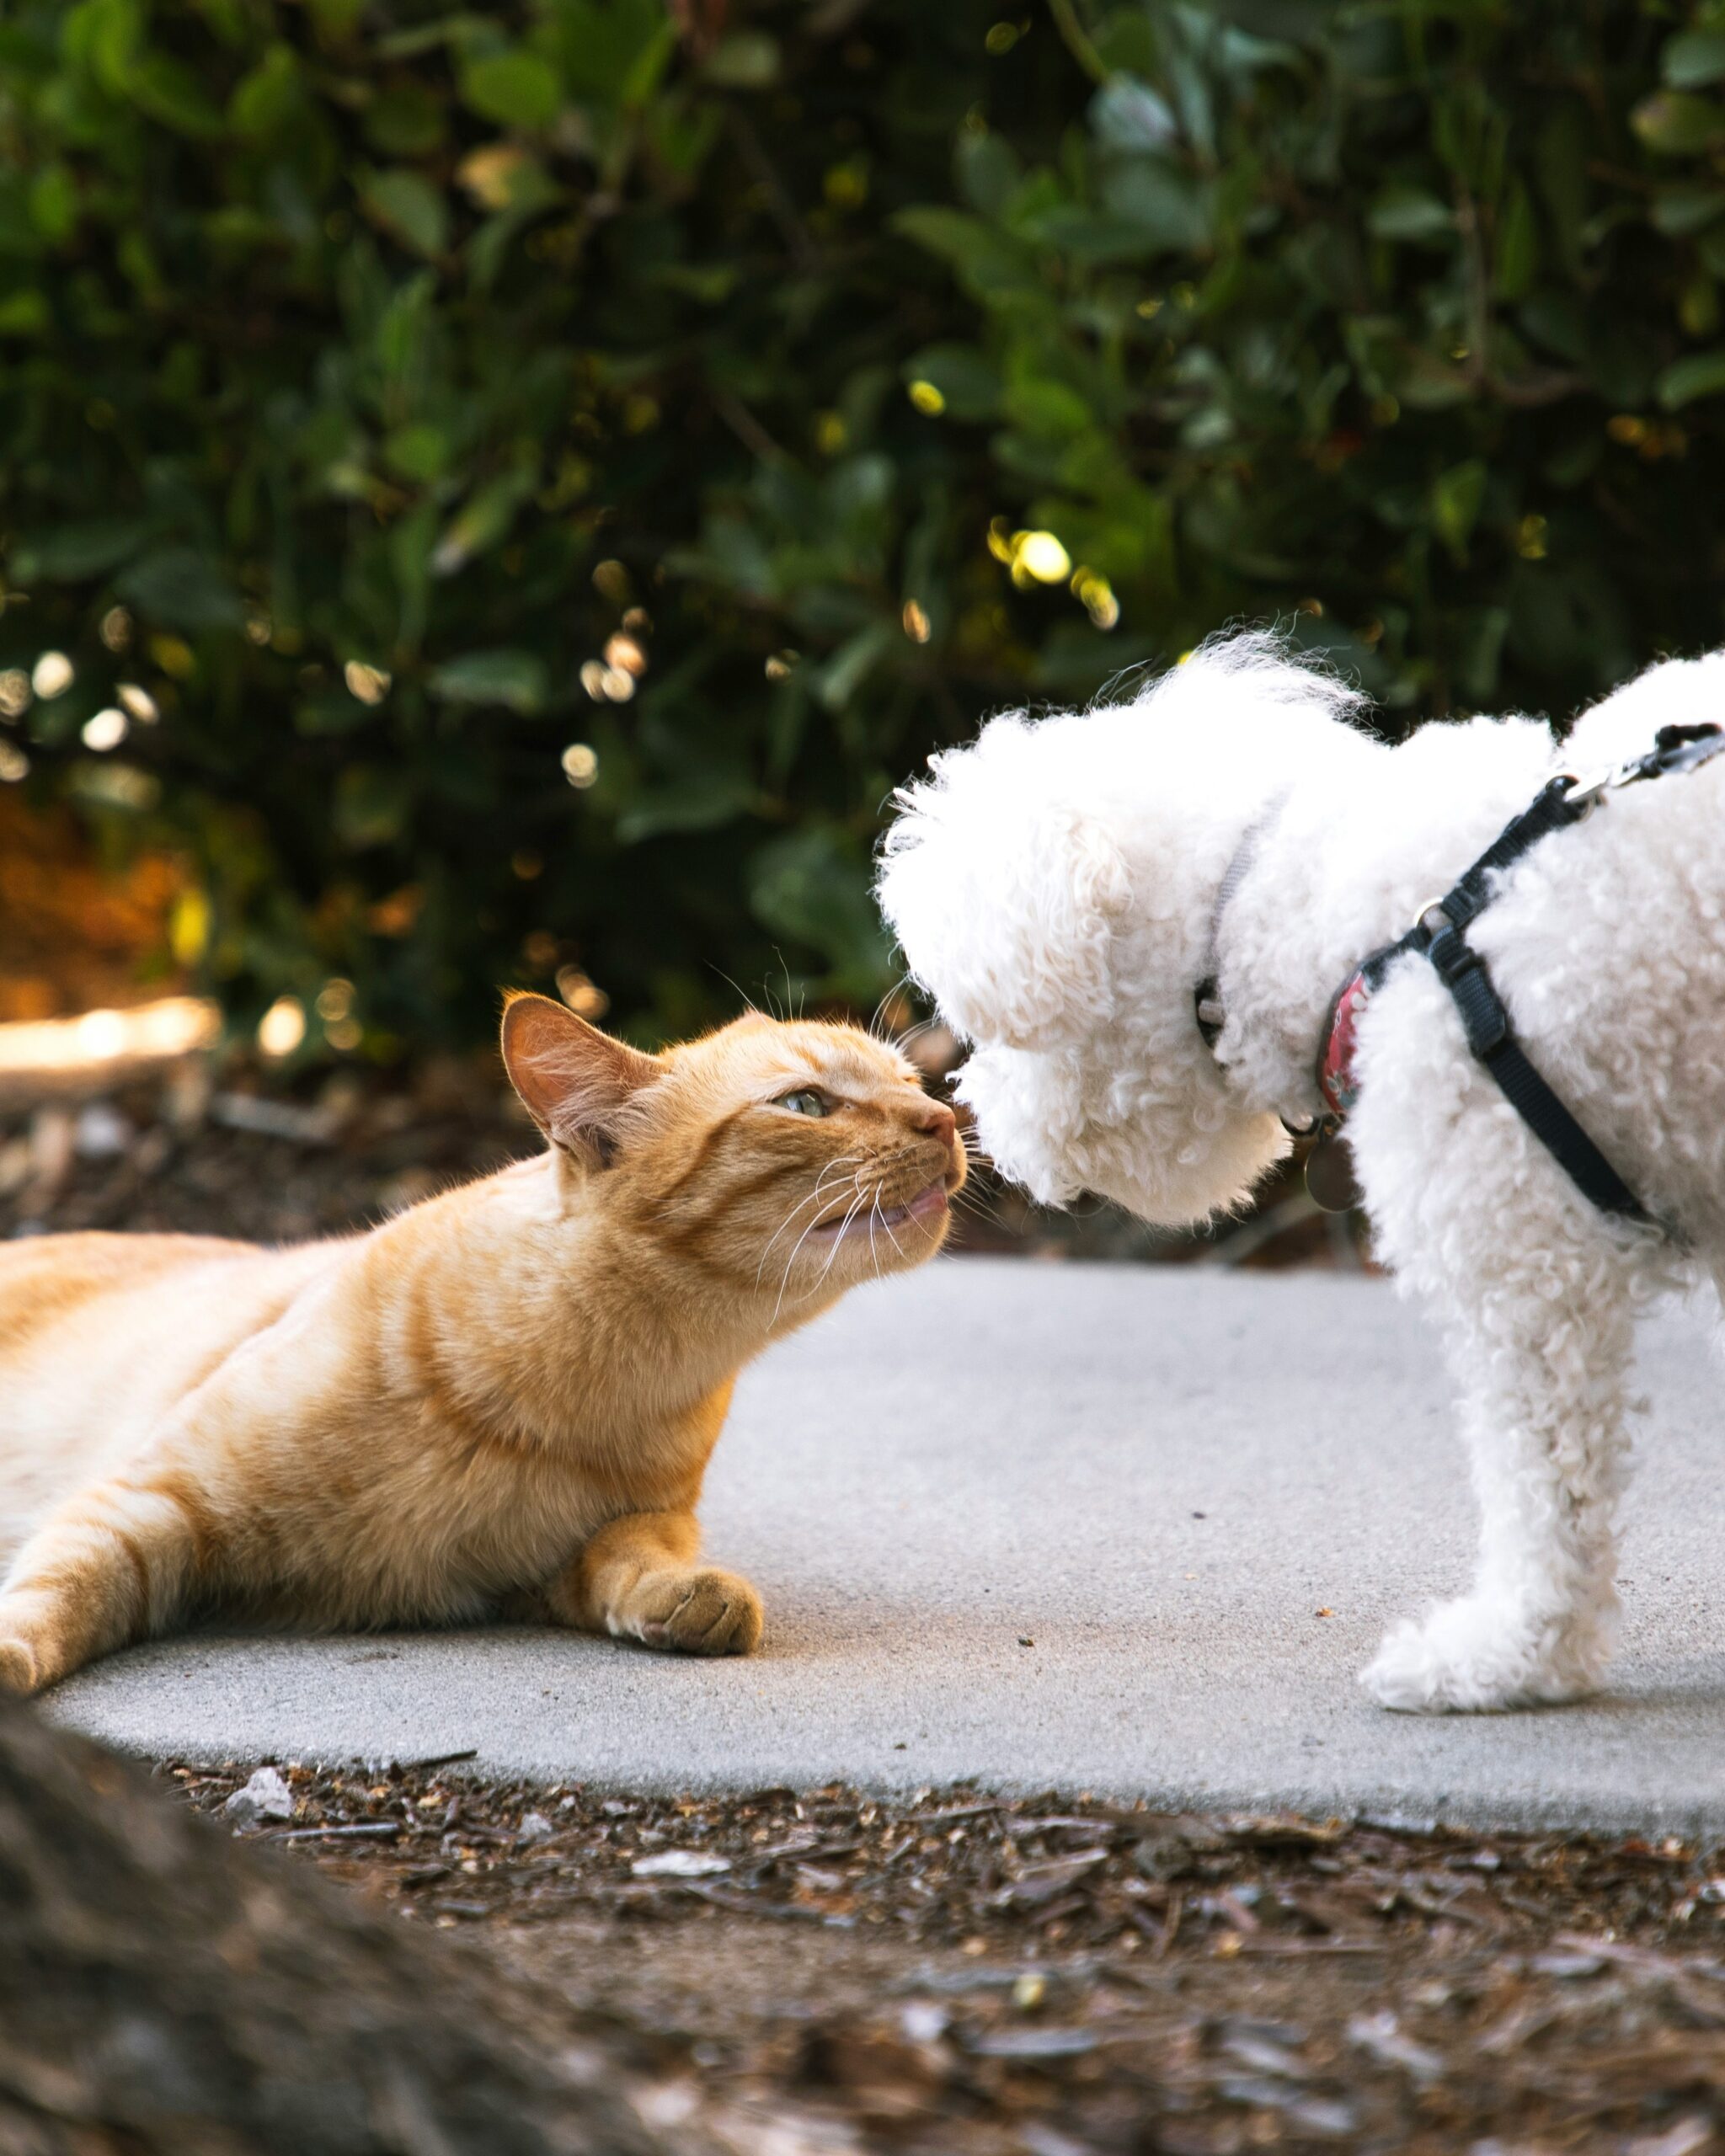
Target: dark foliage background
x,y
549,471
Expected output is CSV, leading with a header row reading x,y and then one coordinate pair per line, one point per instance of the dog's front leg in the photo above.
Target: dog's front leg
x,y
1542,1413
1536,1295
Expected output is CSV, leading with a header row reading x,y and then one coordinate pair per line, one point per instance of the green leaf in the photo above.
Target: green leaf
x,y
711,283
72,554
53,204
1479,651
180,588
1046,408
1702,374
1456,497
516,87
1162,206
513,678
1085,238
104,37
814,887
371,807
1693,59
745,59
842,676
504,176
989,170
1564,147
1679,212
1410,213
405,121
1426,383
1128,115
481,522
336,20
651,59
168,90
1517,249
1676,124
419,453
24,314
268,100
702,802
969,383
138,259
988,262
333,712
614,52
408,207
1556,322
1128,42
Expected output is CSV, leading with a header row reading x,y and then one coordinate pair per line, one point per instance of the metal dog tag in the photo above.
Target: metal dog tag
x,y
1329,1174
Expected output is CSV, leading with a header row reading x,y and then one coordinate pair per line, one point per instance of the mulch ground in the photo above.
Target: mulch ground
x,y
963,1973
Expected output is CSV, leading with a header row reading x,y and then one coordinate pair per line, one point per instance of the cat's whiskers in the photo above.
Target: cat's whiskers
x,y
668,1211
886,1224
921,1026
839,1236
790,1261
813,1197
749,1002
873,1254
886,1163
874,1028
974,1201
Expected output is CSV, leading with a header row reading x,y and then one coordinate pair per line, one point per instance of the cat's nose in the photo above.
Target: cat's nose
x,y
938,1121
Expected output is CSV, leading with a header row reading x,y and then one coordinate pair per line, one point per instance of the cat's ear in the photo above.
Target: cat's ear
x,y
574,1081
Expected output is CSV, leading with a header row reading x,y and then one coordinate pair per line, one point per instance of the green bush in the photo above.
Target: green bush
x,y
552,471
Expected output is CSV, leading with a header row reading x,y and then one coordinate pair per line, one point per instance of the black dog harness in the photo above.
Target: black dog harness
x,y
1440,935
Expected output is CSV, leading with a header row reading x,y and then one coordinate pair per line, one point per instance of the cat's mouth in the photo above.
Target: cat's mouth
x,y
928,1205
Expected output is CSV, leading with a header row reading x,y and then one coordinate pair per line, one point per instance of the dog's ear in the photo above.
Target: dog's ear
x,y
1004,899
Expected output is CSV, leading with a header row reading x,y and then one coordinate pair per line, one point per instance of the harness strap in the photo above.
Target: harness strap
x,y
1489,1035
1552,811
1440,936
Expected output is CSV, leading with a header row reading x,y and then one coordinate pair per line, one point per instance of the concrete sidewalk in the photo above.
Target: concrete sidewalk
x,y
1041,1524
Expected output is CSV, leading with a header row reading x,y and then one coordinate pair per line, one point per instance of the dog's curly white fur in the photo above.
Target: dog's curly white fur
x,y
1054,887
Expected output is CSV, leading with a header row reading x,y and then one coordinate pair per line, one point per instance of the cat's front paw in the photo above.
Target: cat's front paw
x,y
705,1612
1475,1656
19,1672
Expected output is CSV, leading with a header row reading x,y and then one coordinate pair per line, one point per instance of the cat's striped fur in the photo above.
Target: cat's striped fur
x,y
504,1398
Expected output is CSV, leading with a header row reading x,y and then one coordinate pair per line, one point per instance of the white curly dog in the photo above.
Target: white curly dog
x,y
1062,889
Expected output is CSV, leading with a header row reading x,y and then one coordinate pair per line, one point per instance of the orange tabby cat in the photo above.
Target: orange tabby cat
x,y
505,1397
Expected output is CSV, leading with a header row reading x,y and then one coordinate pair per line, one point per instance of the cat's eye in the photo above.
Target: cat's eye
x,y
805,1100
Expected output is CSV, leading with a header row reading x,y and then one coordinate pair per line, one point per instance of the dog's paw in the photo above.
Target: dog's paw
x,y
1475,1656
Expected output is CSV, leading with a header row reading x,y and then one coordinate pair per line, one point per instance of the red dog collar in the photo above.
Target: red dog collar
x,y
1336,1079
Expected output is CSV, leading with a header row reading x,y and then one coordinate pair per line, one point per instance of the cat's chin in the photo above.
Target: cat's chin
x,y
927,1210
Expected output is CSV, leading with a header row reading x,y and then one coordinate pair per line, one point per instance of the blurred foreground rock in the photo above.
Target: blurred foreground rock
x,y
165,1989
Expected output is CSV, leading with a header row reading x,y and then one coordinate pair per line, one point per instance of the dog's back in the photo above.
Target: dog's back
x,y
1608,946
